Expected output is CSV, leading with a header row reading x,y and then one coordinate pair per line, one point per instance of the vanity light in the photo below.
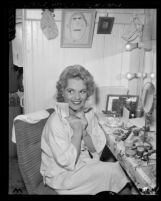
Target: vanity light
x,y
146,75
131,46
152,75
138,75
146,45
131,76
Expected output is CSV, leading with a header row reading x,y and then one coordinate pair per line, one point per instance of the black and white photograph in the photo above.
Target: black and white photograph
x,y
82,101
105,25
115,103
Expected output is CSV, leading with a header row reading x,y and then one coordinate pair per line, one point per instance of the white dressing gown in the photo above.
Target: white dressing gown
x,y
88,175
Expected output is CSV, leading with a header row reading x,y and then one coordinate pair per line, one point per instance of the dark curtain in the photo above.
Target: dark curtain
x,y
13,81
11,23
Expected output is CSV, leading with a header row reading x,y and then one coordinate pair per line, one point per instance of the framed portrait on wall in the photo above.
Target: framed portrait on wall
x,y
77,27
105,25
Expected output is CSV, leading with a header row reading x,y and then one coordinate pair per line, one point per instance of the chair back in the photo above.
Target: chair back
x,y
28,142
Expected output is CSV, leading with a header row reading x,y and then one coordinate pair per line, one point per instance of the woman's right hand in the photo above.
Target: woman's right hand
x,y
77,124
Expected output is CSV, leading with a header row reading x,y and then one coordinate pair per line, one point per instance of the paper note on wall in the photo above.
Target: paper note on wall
x,y
126,113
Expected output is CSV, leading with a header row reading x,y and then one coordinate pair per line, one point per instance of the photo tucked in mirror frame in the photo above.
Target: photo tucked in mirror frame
x,y
116,103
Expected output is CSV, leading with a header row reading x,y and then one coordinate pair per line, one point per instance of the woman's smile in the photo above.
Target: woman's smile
x,y
76,102
76,105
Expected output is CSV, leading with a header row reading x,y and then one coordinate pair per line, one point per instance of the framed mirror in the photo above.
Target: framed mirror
x,y
148,97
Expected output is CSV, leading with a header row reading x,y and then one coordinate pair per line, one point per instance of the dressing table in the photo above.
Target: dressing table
x,y
142,173
133,145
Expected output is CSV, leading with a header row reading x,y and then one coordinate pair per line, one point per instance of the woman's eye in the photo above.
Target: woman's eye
x,y
70,91
83,91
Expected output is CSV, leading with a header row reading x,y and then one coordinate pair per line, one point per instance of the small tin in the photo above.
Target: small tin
x,y
140,151
136,131
147,146
130,152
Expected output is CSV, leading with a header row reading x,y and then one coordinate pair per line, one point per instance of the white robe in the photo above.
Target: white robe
x,y
88,175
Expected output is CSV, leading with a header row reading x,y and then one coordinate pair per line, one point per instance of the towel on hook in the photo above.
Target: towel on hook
x,y
48,25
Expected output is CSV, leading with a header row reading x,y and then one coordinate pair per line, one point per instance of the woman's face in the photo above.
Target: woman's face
x,y
75,94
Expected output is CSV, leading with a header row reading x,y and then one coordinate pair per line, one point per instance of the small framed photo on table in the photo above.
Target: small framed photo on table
x,y
116,103
112,104
77,27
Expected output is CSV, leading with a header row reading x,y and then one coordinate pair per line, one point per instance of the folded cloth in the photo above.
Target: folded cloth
x,y
30,118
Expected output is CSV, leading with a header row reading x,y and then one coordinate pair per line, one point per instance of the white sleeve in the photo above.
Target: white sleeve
x,y
60,145
98,136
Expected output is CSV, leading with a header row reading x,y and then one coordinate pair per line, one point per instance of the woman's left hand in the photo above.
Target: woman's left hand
x,y
88,142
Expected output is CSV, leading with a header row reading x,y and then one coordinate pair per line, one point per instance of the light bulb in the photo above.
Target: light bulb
x,y
152,75
128,47
144,75
131,46
130,76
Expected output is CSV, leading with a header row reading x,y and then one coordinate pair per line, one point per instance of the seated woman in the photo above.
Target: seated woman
x,y
72,142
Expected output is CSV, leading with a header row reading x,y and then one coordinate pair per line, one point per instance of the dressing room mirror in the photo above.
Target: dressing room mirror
x,y
148,97
147,102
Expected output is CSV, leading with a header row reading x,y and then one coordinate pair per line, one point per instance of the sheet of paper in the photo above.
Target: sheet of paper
x,y
126,113
110,103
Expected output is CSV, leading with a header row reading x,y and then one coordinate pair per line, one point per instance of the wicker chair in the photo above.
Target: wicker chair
x,y
28,139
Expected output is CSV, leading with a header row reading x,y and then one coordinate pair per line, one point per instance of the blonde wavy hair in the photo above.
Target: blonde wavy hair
x,y
75,71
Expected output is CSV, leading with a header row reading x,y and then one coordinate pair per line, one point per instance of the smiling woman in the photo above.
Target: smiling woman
x,y
72,141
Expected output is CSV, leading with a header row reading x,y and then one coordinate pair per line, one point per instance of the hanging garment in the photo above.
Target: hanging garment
x,y
48,25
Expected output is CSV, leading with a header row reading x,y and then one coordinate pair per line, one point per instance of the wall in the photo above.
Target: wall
x,y
150,64
150,34
106,60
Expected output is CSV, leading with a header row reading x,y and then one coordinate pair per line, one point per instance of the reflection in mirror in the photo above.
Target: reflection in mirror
x,y
148,97
148,104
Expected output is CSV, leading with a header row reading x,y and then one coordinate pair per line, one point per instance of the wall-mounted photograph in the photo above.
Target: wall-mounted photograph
x,y
105,25
77,27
